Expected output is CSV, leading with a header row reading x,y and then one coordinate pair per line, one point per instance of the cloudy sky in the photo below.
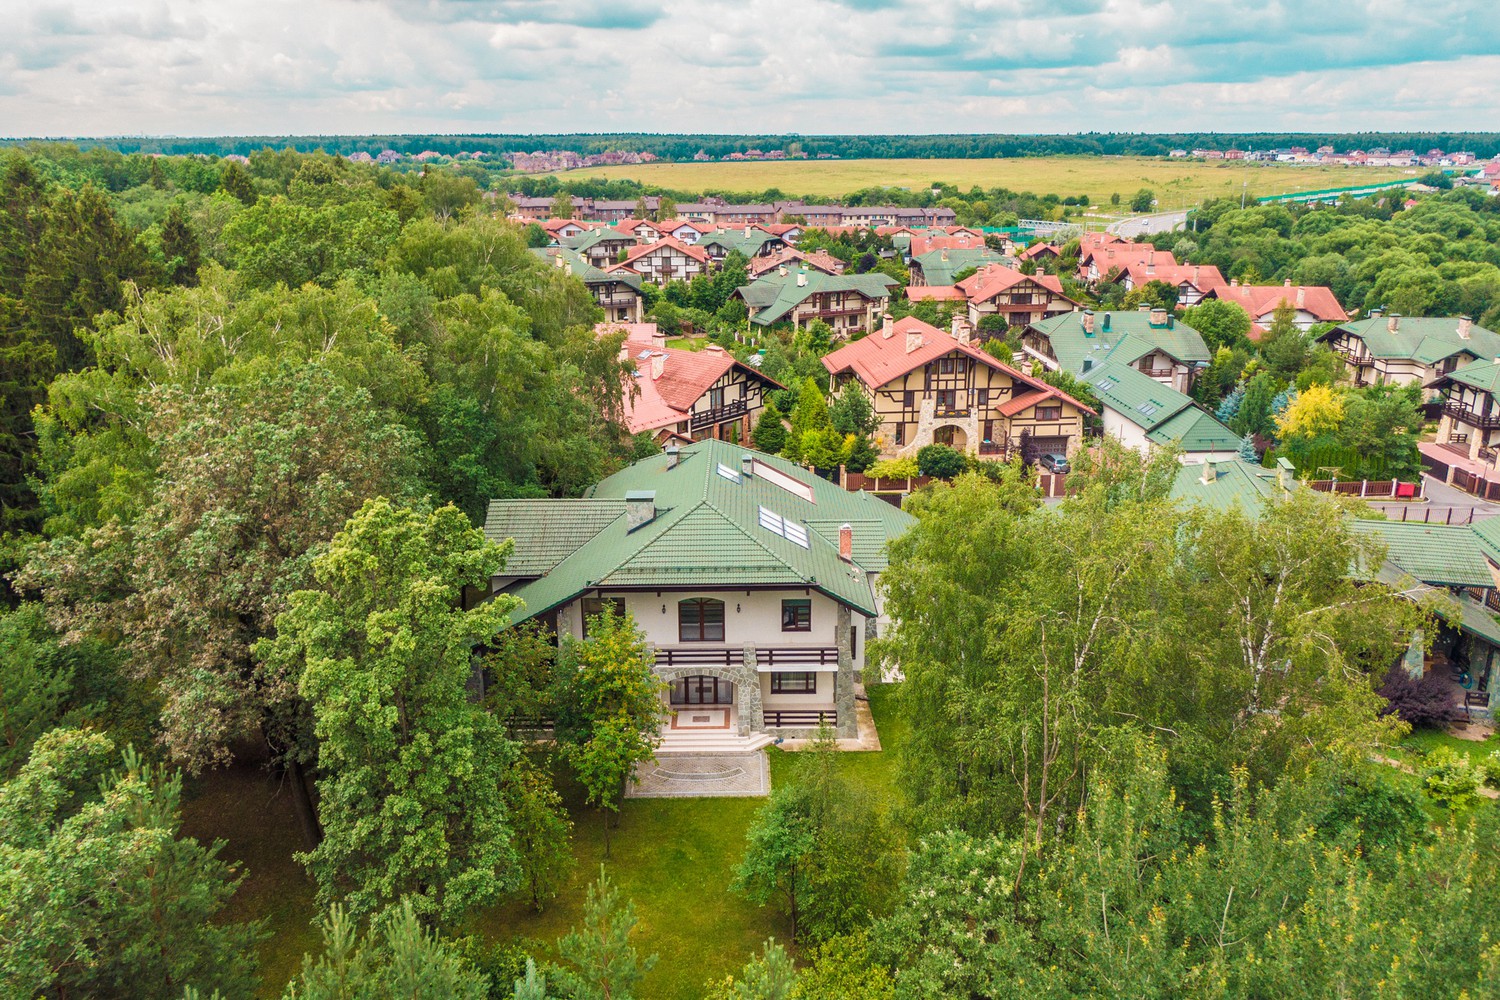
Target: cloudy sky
x,y
225,67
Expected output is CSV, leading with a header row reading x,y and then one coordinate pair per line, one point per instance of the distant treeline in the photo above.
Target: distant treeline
x,y
683,147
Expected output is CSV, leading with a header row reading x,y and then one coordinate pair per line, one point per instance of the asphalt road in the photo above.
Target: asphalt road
x,y
1143,225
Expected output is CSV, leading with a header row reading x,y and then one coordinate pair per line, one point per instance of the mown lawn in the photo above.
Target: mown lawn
x,y
1423,741
674,858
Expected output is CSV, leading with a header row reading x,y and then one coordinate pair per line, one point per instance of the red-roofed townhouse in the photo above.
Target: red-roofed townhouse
x,y
644,230
668,259
931,386
1117,259
1313,304
1022,299
689,394
817,260
561,228
684,230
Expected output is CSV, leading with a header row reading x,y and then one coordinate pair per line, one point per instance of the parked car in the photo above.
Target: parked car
x,y
1055,463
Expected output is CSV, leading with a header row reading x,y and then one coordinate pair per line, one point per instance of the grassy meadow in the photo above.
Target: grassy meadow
x,y
1177,183
674,858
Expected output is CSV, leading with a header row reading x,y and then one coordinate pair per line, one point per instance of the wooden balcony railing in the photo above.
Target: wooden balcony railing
x,y
687,656
1460,412
800,656
800,718
718,414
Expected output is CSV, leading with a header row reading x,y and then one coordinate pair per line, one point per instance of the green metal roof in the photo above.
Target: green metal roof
x,y
1440,554
1427,339
772,297
1135,394
1195,430
1484,375
1130,336
937,271
1236,483
708,532
735,239
586,272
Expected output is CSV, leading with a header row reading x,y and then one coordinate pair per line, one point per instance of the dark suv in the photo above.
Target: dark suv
x,y
1054,462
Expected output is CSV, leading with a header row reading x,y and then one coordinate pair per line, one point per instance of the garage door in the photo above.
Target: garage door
x,y
1031,447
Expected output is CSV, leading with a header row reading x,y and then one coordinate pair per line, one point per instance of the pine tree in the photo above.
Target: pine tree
x,y
1247,449
769,435
605,965
235,180
179,247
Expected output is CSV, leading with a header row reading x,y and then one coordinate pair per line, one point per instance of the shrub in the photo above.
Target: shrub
x,y
1424,701
894,468
1451,779
940,461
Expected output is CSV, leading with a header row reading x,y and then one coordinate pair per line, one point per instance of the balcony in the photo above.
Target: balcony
x,y
1157,372
718,415
951,411
1463,414
733,656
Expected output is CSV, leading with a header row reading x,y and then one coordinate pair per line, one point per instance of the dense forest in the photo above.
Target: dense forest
x,y
683,147
252,415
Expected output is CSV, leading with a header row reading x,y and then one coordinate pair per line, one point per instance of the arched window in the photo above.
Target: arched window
x,y
700,619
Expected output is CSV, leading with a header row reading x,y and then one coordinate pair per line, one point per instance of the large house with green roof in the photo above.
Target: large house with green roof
x,y
1407,349
1234,483
1471,411
753,580
1144,414
617,292
939,267
1153,341
846,302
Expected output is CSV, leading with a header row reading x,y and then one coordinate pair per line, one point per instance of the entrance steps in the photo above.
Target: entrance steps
x,y
680,742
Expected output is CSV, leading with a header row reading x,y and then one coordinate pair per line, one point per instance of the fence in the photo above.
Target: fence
x,y
1432,515
1392,488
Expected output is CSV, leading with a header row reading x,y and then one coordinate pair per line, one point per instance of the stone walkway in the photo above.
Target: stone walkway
x,y
684,777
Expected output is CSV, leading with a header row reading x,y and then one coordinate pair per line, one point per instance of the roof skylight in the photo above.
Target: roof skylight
x,y
728,473
785,527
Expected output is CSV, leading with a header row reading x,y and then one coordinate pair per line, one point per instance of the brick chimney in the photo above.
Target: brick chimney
x,y
1158,316
846,542
1301,296
558,261
887,326
1234,282
1464,323
913,340
1210,471
658,365
1287,283
673,454
1393,322
945,253
1088,322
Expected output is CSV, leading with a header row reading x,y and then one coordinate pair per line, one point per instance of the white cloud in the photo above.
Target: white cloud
x,y
75,67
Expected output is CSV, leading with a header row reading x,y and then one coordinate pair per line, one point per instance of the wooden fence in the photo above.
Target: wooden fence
x,y
1390,488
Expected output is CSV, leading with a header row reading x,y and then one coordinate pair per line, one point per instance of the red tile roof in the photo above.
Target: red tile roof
x,y
1017,404
934,293
1260,301
877,358
635,253
665,395
993,279
819,260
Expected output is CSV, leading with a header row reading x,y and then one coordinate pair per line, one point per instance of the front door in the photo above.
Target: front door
x,y
702,690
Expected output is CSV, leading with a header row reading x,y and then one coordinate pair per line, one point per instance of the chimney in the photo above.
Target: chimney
x,y
945,253
1151,262
1287,283
568,268
1393,322
747,465
1158,316
1464,323
1285,473
747,231
673,452
1301,296
640,507
802,279
558,261
913,340
887,326
961,329
1106,322
1234,282
658,365
781,270
1210,471
846,542
1376,313
1088,365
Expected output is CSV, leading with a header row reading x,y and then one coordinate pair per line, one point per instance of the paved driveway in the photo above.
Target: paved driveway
x,y
681,776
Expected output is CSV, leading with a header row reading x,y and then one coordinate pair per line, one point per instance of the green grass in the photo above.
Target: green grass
x,y
1177,183
1422,742
674,858
247,808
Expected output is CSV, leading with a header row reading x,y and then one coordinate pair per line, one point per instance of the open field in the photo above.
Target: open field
x,y
674,858
1177,183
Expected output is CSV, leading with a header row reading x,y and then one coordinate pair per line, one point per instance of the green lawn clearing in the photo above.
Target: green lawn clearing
x,y
674,858
1422,742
